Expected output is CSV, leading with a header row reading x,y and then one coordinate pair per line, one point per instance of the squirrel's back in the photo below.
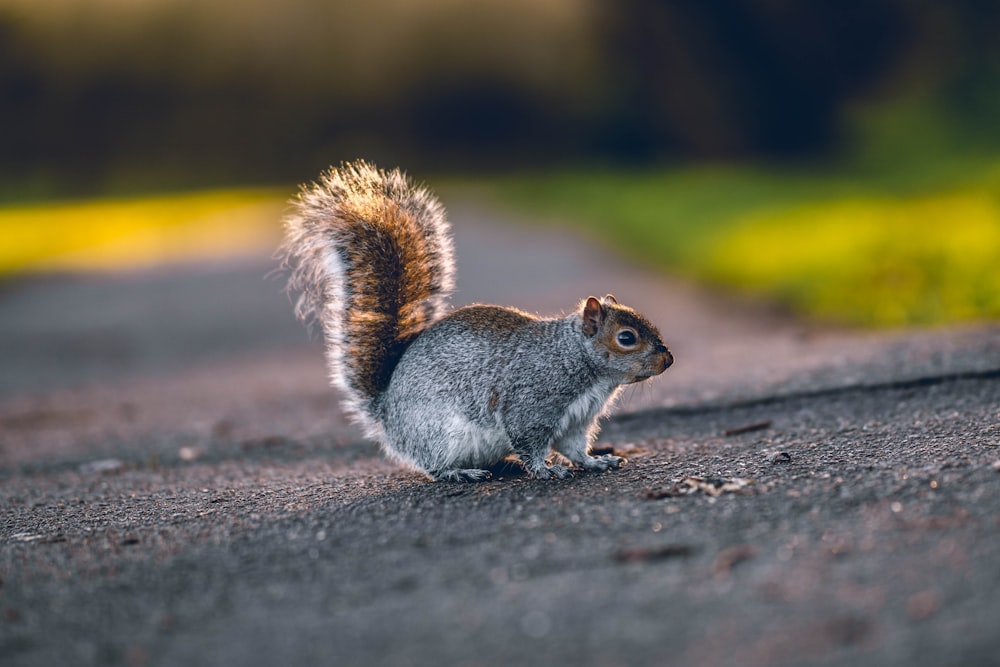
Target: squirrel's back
x,y
371,257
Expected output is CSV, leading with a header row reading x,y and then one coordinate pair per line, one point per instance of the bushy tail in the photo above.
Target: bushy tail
x,y
371,257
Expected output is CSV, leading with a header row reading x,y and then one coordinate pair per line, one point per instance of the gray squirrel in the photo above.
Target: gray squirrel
x,y
450,393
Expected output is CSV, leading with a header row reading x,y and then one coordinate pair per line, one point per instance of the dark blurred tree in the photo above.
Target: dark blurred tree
x,y
181,92
952,65
738,77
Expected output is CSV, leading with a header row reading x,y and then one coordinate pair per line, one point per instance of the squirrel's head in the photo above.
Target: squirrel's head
x,y
627,343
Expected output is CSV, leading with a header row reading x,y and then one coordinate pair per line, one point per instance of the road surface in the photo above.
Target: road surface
x,y
178,488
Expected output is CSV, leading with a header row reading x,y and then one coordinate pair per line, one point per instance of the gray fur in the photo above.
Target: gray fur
x,y
449,394
549,384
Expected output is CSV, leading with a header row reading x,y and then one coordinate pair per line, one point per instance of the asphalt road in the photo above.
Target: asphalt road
x,y
178,488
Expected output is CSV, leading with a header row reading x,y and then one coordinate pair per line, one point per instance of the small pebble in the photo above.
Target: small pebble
x,y
996,466
101,466
188,453
923,605
779,457
536,624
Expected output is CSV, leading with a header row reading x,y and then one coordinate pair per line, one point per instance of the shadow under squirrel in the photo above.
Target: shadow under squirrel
x,y
450,393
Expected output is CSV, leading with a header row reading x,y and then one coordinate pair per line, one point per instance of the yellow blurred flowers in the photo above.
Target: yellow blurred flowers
x,y
127,233
874,261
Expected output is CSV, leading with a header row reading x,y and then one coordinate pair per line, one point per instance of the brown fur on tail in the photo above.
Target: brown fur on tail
x,y
371,257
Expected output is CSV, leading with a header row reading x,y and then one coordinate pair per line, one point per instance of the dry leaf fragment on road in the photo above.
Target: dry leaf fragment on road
x,y
749,428
709,486
731,557
640,554
921,606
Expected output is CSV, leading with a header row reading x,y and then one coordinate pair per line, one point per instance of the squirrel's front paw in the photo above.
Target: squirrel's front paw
x,y
461,475
548,472
602,463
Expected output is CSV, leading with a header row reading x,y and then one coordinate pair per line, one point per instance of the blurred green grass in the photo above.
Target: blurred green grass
x,y
914,244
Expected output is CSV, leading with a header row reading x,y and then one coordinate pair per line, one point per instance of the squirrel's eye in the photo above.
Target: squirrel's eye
x,y
627,338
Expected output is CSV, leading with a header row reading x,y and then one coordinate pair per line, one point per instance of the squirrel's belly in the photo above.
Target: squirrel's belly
x,y
473,445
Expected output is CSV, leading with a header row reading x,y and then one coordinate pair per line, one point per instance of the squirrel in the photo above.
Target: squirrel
x,y
449,393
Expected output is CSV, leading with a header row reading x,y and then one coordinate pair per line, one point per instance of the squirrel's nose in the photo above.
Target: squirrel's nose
x,y
668,359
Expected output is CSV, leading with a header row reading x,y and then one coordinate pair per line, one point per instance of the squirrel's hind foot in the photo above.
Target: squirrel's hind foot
x,y
461,475
550,471
602,463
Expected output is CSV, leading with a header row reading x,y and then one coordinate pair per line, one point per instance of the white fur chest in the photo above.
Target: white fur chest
x,y
585,408
472,445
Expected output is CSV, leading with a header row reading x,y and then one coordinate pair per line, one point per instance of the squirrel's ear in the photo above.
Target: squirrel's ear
x,y
592,315
610,298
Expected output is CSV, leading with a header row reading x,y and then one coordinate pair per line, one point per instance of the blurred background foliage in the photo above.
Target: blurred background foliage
x,y
685,132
